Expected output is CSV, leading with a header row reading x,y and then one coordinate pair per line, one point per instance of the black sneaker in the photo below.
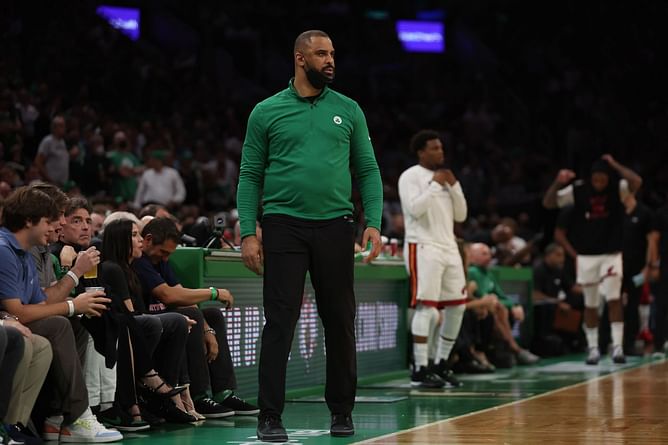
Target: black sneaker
x,y
445,373
270,429
425,379
115,417
618,355
211,409
342,425
593,356
240,406
20,434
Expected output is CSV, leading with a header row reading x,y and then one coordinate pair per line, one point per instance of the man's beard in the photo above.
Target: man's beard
x,y
317,79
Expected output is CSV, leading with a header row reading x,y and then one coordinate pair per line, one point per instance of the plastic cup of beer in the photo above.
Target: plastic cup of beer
x,y
94,288
91,273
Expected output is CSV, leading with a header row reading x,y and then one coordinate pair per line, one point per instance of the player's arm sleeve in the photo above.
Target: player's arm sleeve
x,y
565,196
363,161
415,201
623,189
251,173
459,208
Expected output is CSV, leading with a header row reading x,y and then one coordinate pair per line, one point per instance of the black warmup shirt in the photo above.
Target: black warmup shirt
x,y
636,226
597,220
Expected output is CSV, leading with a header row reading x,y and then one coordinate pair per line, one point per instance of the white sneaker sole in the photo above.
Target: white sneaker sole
x,y
253,412
219,415
81,439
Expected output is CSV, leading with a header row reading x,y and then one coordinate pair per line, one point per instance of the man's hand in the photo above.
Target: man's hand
x,y
371,234
443,175
91,304
518,313
67,256
564,306
251,253
86,260
490,300
565,176
189,322
10,322
225,296
449,176
211,344
609,159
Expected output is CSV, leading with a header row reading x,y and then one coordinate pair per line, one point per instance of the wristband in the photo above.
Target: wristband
x,y
74,277
210,331
214,293
70,308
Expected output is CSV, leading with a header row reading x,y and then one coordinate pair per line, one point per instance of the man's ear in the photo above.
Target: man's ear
x,y
148,238
299,58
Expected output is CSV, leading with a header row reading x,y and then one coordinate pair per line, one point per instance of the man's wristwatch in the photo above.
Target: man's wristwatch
x,y
7,316
210,331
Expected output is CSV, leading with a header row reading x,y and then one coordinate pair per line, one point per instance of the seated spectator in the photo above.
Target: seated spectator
x,y
147,340
469,351
505,311
509,249
160,184
154,210
26,217
11,352
97,220
555,295
31,371
209,361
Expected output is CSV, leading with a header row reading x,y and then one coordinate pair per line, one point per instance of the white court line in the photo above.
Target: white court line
x,y
516,402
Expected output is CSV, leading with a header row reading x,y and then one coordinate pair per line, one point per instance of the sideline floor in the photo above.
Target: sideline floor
x,y
558,401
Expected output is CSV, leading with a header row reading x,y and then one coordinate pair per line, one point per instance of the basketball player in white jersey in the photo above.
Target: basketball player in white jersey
x,y
432,201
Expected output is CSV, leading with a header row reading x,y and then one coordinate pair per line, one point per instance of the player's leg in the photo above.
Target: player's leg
x,y
453,294
429,269
611,285
588,277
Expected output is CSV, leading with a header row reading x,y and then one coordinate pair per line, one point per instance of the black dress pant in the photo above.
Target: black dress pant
x,y
631,316
149,342
325,249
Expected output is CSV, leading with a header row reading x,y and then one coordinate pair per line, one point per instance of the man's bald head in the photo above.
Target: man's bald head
x,y
303,40
480,254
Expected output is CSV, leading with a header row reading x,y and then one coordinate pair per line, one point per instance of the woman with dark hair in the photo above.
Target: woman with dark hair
x,y
153,341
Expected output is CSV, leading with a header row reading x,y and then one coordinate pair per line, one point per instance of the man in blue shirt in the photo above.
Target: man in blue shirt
x,y
26,223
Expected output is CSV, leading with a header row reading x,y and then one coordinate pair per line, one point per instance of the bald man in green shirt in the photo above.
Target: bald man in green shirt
x,y
486,284
300,147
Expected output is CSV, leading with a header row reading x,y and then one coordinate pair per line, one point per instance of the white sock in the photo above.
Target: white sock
x,y
592,336
643,310
420,355
444,348
617,330
452,322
